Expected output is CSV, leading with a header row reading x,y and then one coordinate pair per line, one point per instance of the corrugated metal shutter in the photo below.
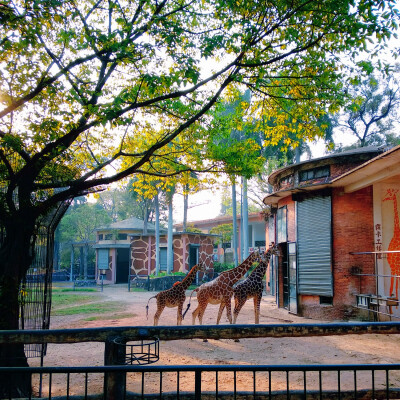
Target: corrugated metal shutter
x,y
314,246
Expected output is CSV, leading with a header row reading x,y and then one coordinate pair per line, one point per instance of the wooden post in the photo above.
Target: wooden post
x,y
114,382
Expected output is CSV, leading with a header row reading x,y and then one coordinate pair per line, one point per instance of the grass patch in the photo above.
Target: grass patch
x,y
63,290
109,316
91,308
138,289
66,300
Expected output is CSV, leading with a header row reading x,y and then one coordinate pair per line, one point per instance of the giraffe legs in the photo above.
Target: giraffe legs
x,y
179,314
226,302
199,312
160,309
239,303
257,302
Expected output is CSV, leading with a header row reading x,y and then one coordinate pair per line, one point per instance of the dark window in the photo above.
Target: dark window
x,y
326,300
122,236
259,243
100,236
108,236
314,173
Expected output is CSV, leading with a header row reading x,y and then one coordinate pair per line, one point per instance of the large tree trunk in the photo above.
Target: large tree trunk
x,y
15,259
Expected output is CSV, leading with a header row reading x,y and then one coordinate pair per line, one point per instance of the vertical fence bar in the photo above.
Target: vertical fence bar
x,y
197,385
161,378
216,384
320,384
355,384
177,385
387,383
269,386
287,386
234,385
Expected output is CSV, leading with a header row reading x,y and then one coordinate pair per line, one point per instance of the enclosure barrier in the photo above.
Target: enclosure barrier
x,y
116,382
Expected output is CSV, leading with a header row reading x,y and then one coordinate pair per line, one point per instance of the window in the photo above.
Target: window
x,y
122,236
282,224
259,243
102,258
108,236
100,236
314,173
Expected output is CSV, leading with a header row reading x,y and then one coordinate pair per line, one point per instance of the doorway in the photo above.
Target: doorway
x,y
123,259
193,255
289,276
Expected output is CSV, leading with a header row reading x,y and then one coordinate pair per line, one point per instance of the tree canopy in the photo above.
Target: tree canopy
x,y
94,91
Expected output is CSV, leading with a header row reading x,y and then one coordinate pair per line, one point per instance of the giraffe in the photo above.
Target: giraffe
x,y
220,290
393,259
175,296
253,286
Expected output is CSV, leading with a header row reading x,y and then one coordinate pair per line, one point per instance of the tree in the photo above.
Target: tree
x,y
93,92
371,112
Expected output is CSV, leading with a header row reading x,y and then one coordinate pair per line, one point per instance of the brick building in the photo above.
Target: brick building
x,y
124,250
322,212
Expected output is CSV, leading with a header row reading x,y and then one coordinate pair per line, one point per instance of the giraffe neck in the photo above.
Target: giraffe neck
x,y
189,278
236,273
396,217
262,267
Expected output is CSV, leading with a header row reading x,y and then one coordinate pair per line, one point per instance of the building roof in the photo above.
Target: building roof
x,y
383,167
372,150
131,224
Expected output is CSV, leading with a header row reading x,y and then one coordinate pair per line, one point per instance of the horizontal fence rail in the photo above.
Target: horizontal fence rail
x,y
198,332
227,382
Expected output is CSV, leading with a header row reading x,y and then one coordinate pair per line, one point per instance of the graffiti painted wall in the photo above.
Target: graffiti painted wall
x,y
387,237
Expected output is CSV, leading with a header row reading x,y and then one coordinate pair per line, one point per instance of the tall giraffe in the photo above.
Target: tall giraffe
x,y
394,258
175,296
220,290
252,286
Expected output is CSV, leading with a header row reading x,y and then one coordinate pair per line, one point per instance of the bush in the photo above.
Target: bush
x,y
221,267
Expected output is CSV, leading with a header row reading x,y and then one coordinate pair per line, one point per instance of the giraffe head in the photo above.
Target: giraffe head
x,y
390,194
272,250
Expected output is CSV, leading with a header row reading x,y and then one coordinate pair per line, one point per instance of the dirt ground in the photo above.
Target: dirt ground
x,y
351,349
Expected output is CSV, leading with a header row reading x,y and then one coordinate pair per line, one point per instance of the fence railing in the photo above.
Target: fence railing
x,y
116,382
294,382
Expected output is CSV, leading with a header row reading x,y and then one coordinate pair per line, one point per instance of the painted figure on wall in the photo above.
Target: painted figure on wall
x,y
393,259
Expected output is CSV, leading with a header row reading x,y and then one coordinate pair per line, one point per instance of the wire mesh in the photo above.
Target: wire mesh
x,y
35,289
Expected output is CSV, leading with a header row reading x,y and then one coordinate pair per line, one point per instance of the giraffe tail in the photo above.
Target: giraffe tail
x,y
188,306
147,307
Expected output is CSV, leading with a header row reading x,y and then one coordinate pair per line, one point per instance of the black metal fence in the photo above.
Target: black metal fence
x,y
226,382
219,382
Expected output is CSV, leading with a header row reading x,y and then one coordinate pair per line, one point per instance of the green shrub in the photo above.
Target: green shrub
x,y
221,267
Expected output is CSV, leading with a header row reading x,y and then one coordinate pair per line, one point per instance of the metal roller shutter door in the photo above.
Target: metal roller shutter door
x,y
314,246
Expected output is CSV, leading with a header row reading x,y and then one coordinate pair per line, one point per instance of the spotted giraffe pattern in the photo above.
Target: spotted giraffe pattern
x,y
141,257
252,286
393,259
220,290
175,296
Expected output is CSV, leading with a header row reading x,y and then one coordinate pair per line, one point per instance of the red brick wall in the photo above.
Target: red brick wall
x,y
352,231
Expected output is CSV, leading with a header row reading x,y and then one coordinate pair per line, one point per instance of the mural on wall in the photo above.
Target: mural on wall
x,y
393,259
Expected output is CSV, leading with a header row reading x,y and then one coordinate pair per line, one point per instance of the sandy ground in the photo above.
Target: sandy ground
x,y
351,349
